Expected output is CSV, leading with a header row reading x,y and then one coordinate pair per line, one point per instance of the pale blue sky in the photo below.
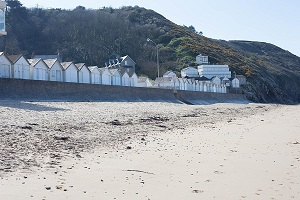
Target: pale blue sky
x,y
272,21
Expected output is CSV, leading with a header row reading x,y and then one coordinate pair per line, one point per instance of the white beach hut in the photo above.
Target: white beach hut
x,y
95,75
38,69
20,67
105,76
182,83
84,73
133,79
5,66
70,72
56,70
125,79
235,83
144,82
216,80
115,77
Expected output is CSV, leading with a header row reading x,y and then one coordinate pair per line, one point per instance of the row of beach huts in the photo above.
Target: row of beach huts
x,y
119,72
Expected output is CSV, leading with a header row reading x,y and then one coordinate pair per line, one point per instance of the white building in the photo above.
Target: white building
x,y
201,59
170,74
210,71
38,69
56,70
125,79
189,72
144,82
115,77
70,72
216,80
105,76
84,74
95,75
5,67
20,67
165,82
133,79
235,83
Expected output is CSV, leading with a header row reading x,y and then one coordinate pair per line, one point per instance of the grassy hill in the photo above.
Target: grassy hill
x,y
92,36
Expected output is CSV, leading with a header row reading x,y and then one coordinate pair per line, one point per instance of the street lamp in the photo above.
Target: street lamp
x,y
157,61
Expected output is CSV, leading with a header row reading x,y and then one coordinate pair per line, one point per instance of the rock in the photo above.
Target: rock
x,y
63,138
48,188
116,122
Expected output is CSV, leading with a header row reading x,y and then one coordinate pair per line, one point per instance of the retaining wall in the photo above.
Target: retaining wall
x,y
203,98
58,91
31,90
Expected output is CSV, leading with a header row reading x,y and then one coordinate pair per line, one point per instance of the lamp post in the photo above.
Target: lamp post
x,y
157,61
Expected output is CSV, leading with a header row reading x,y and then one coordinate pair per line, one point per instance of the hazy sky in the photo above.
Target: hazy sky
x,y
272,21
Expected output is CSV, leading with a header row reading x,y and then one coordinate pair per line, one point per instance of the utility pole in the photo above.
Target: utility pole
x,y
157,60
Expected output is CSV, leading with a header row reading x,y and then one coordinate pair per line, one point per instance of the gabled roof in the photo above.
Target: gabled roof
x,y
34,61
142,79
189,68
124,73
164,79
113,71
65,65
131,73
14,58
79,65
214,77
103,69
126,57
50,62
92,68
168,72
47,57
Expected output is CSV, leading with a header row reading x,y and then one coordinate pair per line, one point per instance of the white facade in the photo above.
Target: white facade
x,y
210,71
56,70
38,69
133,80
235,83
170,74
70,72
84,73
95,75
144,82
216,80
115,77
105,76
189,72
20,66
125,79
201,60
5,67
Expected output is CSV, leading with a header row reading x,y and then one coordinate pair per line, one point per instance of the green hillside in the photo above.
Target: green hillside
x,y
92,36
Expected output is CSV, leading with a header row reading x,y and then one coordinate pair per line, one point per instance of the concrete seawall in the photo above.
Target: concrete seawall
x,y
29,90
203,98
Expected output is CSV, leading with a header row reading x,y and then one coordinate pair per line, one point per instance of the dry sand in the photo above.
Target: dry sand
x,y
96,150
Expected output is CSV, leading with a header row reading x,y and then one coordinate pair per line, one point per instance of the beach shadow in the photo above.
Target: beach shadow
x,y
29,106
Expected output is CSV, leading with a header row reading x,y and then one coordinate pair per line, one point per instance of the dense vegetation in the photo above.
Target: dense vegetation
x,y
93,36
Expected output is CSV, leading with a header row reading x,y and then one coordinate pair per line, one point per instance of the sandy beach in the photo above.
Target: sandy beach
x,y
156,151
